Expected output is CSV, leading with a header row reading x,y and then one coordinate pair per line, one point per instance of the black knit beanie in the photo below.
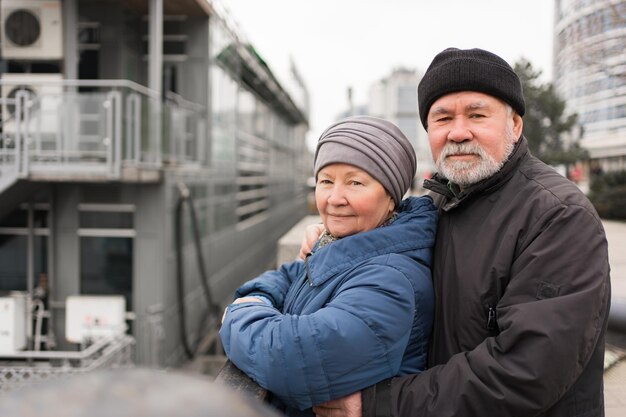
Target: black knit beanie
x,y
455,70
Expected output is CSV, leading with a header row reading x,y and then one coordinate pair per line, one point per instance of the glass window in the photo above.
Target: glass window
x,y
14,238
106,266
13,260
223,94
246,108
262,120
106,249
17,218
224,98
224,215
13,250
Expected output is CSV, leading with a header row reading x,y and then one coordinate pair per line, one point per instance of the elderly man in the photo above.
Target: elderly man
x,y
521,272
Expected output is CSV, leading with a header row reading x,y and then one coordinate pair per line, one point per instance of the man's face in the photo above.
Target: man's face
x,y
471,135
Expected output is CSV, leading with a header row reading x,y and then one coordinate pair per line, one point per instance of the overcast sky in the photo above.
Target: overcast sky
x,y
338,44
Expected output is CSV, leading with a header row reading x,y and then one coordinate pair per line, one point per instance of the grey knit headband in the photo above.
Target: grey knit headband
x,y
376,146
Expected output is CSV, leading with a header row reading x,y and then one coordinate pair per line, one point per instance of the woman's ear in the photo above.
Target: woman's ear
x,y
392,205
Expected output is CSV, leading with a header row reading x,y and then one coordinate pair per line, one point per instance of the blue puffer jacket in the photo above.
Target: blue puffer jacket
x,y
361,314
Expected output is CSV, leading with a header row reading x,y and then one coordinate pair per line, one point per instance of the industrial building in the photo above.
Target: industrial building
x,y
149,161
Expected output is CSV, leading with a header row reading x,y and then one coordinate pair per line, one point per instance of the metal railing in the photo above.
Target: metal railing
x,y
93,129
22,368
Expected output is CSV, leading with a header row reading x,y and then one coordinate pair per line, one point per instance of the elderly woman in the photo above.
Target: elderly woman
x,y
359,309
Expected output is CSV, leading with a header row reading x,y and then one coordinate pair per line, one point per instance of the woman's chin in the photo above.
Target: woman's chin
x,y
339,232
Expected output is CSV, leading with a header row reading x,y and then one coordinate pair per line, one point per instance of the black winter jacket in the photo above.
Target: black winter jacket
x,y
521,278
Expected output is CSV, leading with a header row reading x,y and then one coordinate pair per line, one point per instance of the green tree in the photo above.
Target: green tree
x,y
552,135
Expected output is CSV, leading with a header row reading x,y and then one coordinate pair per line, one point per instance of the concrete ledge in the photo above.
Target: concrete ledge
x,y
289,244
237,381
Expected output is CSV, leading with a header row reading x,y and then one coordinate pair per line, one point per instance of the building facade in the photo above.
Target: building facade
x,y
145,147
590,74
395,98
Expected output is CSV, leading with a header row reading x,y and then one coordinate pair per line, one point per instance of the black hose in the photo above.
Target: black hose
x,y
185,198
179,279
197,242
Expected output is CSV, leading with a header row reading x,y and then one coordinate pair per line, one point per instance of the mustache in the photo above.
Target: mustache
x,y
462,148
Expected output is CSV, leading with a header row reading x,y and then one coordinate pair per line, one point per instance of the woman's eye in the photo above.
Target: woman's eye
x,y
356,183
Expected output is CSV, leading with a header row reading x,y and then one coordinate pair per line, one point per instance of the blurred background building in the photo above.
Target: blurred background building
x,y
117,118
394,97
590,74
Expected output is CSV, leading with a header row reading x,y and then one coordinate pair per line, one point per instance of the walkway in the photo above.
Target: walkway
x,y
615,375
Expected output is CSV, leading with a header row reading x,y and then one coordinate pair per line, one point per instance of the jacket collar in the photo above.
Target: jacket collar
x,y
411,232
439,184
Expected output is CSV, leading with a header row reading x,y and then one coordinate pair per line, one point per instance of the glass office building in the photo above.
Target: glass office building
x,y
590,74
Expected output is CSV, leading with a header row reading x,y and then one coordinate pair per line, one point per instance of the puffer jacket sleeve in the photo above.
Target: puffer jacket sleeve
x,y
273,284
551,317
356,340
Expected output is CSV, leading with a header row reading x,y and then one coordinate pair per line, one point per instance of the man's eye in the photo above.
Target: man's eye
x,y
476,116
324,182
443,119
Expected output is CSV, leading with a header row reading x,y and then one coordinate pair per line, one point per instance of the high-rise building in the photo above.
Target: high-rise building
x,y
395,98
590,74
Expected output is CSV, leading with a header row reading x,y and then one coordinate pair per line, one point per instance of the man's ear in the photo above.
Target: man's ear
x,y
518,125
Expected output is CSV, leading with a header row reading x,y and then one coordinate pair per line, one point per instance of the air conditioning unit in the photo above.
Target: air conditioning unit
x,y
45,97
91,317
31,29
12,322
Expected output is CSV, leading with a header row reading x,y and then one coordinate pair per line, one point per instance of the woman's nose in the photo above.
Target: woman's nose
x,y
337,195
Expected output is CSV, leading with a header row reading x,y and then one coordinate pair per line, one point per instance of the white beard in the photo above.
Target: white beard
x,y
466,173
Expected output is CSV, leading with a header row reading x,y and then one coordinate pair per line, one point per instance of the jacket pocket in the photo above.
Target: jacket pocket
x,y
546,290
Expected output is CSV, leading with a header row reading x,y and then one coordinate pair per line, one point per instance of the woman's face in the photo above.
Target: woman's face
x,y
350,201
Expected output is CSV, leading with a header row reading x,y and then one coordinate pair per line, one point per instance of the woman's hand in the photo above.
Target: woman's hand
x,y
242,300
348,406
311,234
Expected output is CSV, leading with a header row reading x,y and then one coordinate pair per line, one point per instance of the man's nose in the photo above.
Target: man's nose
x,y
459,130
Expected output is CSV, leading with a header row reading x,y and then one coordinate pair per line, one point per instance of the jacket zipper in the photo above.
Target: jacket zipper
x,y
492,320
308,272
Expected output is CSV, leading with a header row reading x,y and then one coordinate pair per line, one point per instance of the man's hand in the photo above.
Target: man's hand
x,y
242,300
311,234
348,406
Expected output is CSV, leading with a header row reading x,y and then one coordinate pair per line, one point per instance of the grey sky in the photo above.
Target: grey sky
x,y
340,43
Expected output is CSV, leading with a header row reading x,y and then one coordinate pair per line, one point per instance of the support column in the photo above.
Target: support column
x,y
70,39
155,71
